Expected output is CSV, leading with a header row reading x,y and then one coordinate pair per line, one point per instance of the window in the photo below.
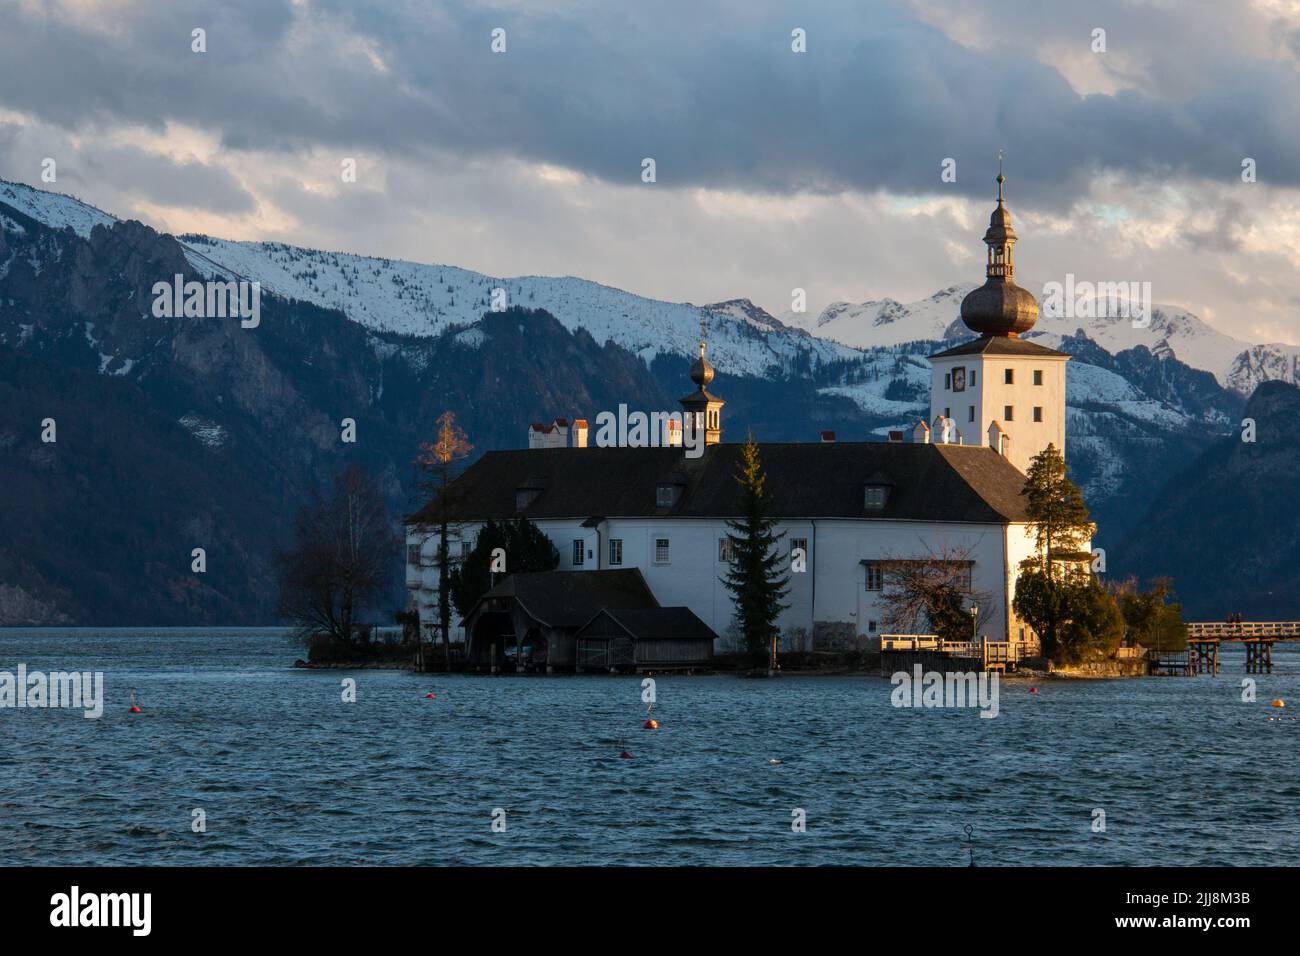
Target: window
x,y
726,550
1038,376
947,379
466,547
665,496
1008,413
875,577
615,550
972,378
970,414
871,627
413,555
947,413
799,544
875,496
661,550
1009,377
1038,413
963,577
579,552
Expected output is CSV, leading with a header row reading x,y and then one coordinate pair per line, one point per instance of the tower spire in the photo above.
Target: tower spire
x,y
703,408
1000,307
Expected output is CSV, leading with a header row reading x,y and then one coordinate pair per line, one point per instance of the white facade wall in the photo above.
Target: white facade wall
x,y
976,406
692,575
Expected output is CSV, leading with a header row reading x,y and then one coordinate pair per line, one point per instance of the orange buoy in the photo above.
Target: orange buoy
x,y
651,724
1279,703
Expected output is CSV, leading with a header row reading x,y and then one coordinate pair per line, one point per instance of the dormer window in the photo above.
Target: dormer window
x,y
666,495
875,497
525,495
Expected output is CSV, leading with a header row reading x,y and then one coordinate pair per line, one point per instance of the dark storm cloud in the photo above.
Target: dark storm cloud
x,y
160,180
711,91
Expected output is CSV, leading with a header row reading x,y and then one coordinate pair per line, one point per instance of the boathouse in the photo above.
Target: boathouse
x,y
574,620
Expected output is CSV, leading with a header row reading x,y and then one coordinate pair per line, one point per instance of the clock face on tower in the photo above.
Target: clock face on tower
x,y
959,380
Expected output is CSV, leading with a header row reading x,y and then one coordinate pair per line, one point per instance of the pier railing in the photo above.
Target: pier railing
x,y
1005,653
1225,630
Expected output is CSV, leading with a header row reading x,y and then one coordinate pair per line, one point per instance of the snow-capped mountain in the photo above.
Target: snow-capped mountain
x,y
884,322
410,298
1172,331
416,299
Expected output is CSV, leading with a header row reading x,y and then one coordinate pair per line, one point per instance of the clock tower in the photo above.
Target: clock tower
x,y
1000,389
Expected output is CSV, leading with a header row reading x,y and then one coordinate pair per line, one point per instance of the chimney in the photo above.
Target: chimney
x,y
895,436
828,438
998,439
673,431
537,435
921,433
580,433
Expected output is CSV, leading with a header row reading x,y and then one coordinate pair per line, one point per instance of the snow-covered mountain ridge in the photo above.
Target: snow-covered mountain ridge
x,y
415,299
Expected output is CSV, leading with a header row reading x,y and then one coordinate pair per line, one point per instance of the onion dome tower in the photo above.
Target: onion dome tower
x,y
1000,307
702,406
1000,385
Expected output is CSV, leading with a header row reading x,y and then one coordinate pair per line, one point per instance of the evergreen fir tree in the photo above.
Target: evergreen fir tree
x,y
754,577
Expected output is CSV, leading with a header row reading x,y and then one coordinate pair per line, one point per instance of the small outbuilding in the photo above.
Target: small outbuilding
x,y
658,638
530,622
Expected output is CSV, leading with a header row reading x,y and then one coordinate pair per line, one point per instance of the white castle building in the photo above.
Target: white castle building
x,y
852,508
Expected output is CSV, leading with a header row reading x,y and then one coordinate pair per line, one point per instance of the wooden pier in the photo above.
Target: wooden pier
x,y
1204,639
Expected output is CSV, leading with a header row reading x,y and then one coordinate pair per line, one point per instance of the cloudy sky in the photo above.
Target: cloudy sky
x,y
775,169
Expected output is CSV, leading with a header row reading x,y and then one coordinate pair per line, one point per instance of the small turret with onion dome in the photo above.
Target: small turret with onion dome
x,y
1000,307
703,408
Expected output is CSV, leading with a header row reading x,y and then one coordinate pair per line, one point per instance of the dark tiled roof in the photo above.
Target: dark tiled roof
x,y
927,482
659,623
999,345
572,598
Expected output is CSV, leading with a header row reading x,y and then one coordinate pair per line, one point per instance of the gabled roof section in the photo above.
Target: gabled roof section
x,y
930,482
572,598
659,623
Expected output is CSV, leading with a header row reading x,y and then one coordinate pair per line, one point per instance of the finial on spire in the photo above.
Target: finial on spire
x,y
1001,178
701,333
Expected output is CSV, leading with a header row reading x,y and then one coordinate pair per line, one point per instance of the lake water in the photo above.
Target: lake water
x,y
287,773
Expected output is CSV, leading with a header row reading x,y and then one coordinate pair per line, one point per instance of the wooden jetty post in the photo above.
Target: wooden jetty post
x,y
1259,655
1203,655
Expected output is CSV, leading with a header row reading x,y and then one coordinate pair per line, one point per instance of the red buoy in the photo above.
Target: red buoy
x,y
135,709
1033,690
430,696
651,724
625,755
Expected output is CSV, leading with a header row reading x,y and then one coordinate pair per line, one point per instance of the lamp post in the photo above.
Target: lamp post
x,y
974,611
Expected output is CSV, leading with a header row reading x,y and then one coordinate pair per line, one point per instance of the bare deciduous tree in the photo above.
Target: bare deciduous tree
x,y
438,459
933,593
341,558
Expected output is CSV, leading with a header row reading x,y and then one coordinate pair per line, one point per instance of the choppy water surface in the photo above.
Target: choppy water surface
x,y
289,774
